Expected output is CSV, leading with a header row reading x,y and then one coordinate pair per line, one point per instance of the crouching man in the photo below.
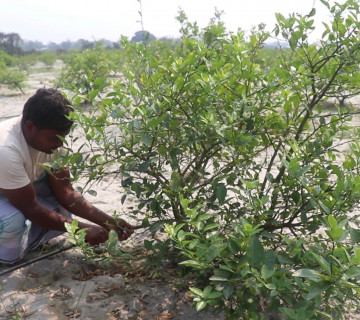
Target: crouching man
x,y
35,204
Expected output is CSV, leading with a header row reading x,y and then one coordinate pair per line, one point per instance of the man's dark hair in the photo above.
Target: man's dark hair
x,y
48,109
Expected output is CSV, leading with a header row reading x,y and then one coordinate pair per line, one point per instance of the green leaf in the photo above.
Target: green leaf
x,y
324,314
324,264
211,226
228,290
355,235
93,94
343,223
148,245
289,312
332,222
287,107
133,90
254,252
212,253
200,305
349,162
193,244
144,166
175,181
215,295
269,259
204,216
296,196
156,121
324,207
178,227
307,273
316,289
146,140
92,192
156,226
266,273
234,245
348,284
145,222
312,12
352,273
197,291
335,234
162,150
357,253
221,192
206,292
218,278
113,237
191,263
200,225
270,286
179,82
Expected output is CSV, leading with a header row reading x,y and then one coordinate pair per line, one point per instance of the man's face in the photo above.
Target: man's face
x,y
45,140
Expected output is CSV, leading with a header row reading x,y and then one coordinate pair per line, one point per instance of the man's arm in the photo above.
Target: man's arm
x,y
60,184
25,200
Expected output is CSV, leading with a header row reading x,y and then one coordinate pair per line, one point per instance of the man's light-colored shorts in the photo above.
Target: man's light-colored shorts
x,y
19,235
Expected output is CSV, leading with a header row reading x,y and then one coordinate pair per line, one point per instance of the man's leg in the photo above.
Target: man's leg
x,y
19,235
13,232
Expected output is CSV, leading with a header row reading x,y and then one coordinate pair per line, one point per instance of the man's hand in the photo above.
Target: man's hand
x,y
96,235
124,229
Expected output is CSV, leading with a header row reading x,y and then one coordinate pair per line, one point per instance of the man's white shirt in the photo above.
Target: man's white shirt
x,y
19,163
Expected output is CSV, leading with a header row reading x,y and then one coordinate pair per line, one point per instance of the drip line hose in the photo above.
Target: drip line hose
x,y
27,263
22,265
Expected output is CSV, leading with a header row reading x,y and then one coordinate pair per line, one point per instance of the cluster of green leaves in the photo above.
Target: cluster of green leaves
x,y
47,57
236,148
107,253
252,273
83,68
7,60
31,59
11,75
14,70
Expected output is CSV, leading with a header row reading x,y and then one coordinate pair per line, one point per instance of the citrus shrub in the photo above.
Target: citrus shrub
x,y
12,75
256,180
82,69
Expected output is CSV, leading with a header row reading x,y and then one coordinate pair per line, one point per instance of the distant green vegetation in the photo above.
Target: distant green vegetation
x,y
12,75
85,68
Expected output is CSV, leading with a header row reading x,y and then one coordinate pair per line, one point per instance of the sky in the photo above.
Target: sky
x,y
57,21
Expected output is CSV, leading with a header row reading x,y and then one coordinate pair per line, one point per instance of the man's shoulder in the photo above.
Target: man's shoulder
x,y
10,131
9,122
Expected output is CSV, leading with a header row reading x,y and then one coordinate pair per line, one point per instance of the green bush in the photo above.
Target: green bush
x,y
7,60
12,78
48,58
83,68
256,181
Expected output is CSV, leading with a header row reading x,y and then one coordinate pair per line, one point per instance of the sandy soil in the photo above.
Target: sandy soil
x,y
66,286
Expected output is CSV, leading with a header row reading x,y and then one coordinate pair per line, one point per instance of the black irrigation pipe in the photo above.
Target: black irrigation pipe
x,y
27,263
22,265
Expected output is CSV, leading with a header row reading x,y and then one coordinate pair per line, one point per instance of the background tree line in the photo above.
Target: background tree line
x,y
13,44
